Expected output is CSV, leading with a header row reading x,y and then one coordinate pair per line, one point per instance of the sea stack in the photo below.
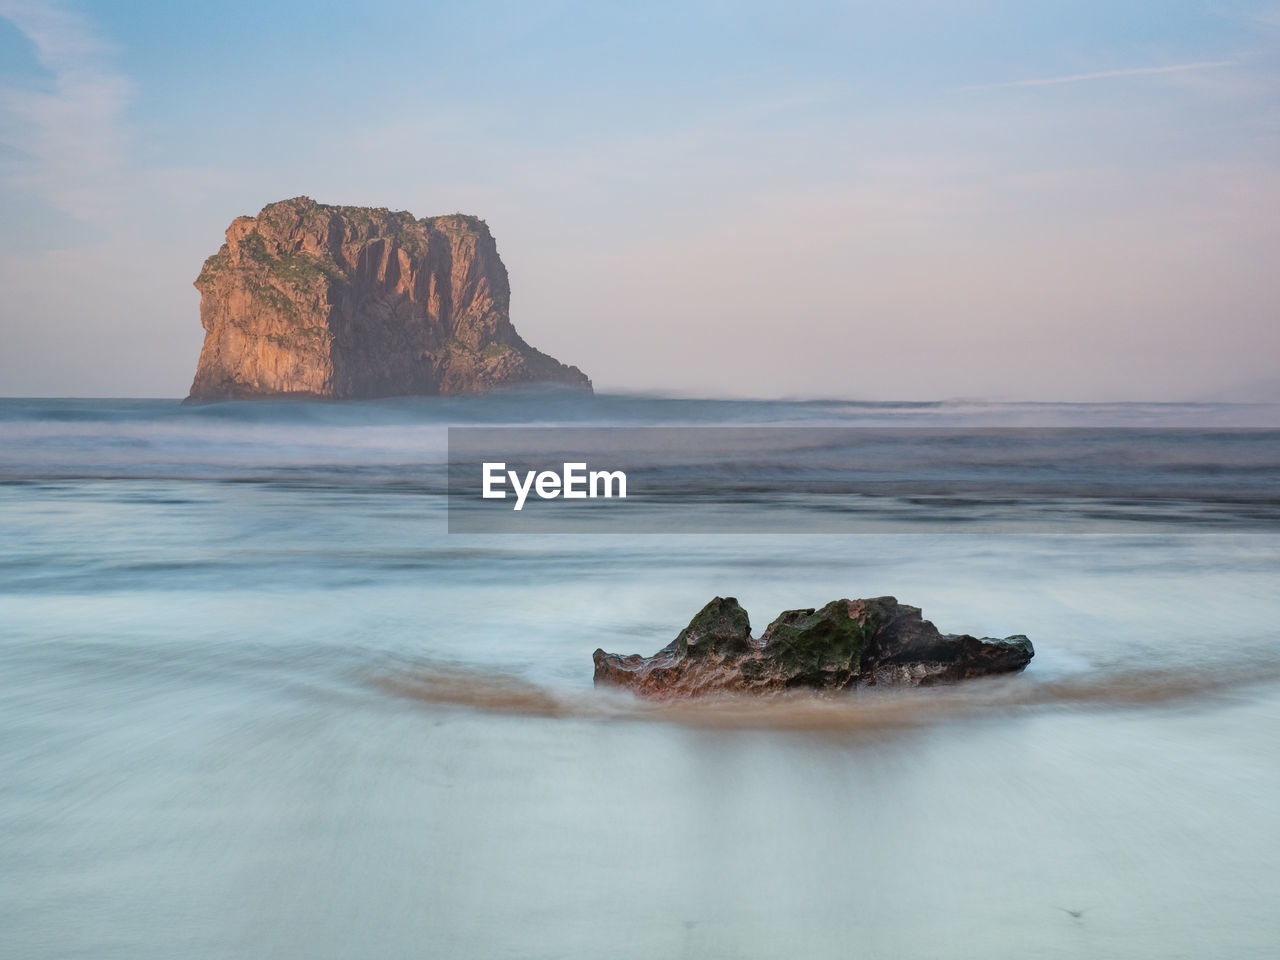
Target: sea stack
x,y
310,300
845,645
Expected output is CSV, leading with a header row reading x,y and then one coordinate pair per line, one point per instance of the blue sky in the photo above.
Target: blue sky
x,y
920,199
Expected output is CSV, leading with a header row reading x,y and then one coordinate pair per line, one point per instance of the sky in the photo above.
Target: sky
x,y
921,199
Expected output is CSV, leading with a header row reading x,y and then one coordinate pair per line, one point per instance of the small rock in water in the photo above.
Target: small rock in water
x,y
846,644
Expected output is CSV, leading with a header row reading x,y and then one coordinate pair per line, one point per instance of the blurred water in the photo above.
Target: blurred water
x,y
255,702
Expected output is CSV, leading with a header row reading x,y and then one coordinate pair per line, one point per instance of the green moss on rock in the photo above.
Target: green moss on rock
x,y
810,642
722,626
844,645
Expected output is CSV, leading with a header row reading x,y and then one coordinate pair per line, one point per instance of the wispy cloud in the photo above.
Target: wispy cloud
x,y
65,132
1105,75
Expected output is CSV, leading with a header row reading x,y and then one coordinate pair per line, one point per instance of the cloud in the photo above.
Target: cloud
x,y
65,137
1105,75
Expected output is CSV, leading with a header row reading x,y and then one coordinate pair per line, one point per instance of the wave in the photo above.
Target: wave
x,y
794,462
549,405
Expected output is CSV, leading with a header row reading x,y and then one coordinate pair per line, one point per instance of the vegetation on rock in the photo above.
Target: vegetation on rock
x,y
844,645
310,299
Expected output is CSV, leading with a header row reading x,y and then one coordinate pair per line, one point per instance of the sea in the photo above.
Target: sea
x,y
261,698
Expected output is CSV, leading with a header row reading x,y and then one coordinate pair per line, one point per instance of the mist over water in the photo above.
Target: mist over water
x,y
256,701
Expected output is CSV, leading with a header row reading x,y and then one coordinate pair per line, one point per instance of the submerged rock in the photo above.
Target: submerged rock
x,y
312,300
846,644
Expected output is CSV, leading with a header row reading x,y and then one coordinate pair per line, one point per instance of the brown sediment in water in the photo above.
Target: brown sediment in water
x,y
454,687
489,694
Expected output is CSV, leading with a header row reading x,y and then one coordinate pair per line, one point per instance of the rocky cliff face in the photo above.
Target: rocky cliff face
x,y
312,300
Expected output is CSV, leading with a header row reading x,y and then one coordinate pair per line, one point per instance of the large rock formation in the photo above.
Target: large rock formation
x,y
311,300
846,644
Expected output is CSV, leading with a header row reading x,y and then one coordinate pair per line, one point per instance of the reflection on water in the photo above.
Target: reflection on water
x,y
297,719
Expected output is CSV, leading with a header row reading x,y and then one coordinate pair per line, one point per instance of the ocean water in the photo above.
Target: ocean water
x,y
257,701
